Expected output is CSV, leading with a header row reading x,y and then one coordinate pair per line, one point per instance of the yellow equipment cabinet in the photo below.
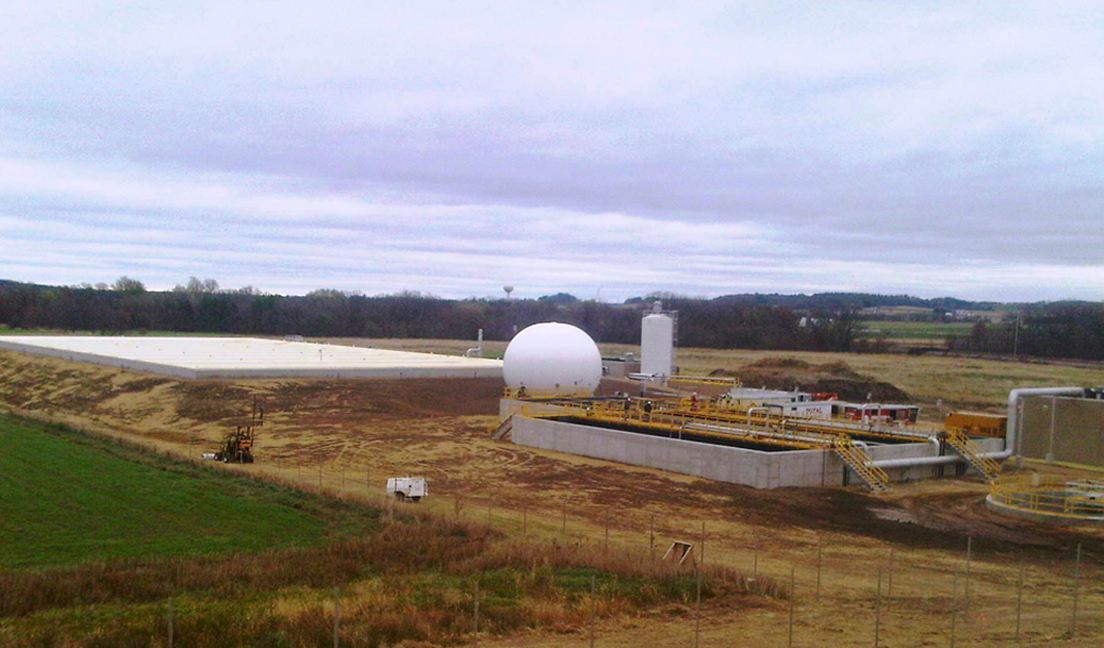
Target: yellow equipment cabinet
x,y
977,424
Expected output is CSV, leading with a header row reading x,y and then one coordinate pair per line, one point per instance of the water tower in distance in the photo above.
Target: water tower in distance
x,y
508,289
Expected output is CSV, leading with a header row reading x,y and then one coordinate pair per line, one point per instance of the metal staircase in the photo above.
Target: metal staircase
x,y
504,428
973,454
857,459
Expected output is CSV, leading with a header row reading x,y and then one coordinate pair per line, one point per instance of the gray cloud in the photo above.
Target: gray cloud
x,y
450,148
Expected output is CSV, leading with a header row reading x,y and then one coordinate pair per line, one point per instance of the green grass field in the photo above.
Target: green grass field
x,y
66,498
69,498
916,330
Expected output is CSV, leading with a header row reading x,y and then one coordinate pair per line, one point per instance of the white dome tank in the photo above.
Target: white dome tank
x,y
552,358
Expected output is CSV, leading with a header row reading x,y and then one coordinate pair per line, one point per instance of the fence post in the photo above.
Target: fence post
x,y
697,610
793,596
563,519
337,617
593,599
889,584
1019,600
954,604
702,558
1076,587
342,479
605,547
819,547
651,537
878,610
170,621
367,480
320,475
475,599
755,564
966,590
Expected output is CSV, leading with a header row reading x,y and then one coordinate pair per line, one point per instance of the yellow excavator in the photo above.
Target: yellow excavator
x,y
238,446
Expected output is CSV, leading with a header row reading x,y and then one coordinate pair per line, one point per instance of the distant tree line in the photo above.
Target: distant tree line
x,y
200,306
824,322
1056,330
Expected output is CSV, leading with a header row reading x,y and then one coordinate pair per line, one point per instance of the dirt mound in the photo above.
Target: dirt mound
x,y
838,377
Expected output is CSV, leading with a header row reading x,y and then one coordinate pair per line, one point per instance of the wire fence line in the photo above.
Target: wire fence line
x,y
976,600
1005,601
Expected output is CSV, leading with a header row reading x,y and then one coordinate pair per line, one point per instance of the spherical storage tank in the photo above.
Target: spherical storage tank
x,y
552,358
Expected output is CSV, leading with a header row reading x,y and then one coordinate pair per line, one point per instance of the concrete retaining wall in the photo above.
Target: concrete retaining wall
x,y
754,468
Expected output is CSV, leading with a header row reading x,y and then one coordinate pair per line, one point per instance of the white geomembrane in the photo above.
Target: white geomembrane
x,y
214,357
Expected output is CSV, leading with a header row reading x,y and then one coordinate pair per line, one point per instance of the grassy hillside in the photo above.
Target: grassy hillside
x,y
69,498
271,558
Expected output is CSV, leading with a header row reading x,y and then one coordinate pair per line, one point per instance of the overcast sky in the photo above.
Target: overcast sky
x,y
602,149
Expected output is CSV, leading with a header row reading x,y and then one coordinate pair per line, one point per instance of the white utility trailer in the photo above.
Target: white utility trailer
x,y
407,488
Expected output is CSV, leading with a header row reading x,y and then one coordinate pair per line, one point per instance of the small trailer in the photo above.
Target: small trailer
x,y
408,488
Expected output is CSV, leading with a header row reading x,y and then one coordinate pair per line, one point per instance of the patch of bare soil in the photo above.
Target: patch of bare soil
x,y
838,377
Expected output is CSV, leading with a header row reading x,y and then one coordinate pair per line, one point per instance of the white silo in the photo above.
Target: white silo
x,y
657,339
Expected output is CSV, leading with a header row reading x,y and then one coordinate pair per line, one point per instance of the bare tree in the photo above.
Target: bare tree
x,y
128,285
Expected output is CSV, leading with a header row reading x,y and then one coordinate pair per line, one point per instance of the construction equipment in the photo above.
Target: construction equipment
x,y
238,445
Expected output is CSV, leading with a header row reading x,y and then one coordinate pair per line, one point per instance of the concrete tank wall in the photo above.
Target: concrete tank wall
x,y
733,465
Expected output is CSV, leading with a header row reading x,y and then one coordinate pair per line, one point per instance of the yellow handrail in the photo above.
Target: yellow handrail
x,y
1049,494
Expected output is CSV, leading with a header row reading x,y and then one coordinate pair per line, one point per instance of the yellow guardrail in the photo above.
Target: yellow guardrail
x,y
720,413
671,422
525,392
705,380
1047,494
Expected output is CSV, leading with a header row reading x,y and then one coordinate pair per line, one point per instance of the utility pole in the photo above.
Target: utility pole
x,y
1016,337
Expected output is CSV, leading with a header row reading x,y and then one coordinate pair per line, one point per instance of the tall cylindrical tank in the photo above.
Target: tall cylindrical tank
x,y
657,337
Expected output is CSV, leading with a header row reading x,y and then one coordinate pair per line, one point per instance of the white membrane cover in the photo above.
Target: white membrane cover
x,y
215,357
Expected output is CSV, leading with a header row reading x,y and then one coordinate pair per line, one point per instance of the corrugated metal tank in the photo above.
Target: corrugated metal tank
x,y
657,332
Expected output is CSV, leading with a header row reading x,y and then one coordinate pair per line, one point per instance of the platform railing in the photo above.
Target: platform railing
x,y
1049,494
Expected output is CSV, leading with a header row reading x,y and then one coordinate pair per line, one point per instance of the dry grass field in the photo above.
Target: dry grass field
x,y
349,435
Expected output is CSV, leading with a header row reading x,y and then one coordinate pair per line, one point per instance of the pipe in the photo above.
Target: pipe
x,y
758,409
1011,433
477,350
1012,437
930,461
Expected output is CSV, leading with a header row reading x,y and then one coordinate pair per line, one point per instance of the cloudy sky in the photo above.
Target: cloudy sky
x,y
605,149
